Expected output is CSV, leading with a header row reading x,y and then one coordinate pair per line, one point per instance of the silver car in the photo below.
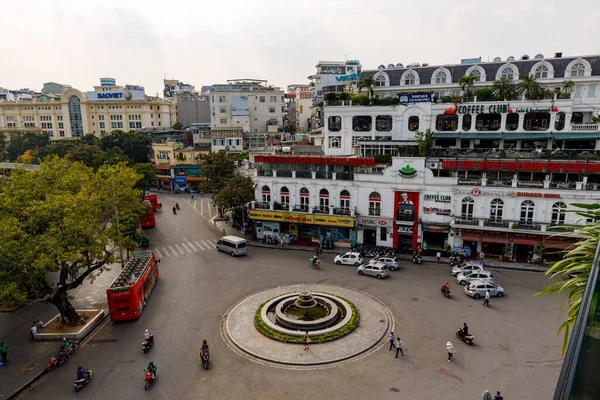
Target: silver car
x,y
466,267
467,276
391,262
377,269
477,289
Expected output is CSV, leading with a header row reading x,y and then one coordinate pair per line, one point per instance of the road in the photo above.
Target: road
x,y
517,350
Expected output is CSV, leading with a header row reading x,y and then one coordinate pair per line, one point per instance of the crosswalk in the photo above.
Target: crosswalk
x,y
181,249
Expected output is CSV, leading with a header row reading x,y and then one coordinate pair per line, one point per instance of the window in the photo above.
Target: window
x,y
578,70
222,99
559,213
116,125
383,234
577,91
592,91
441,77
271,110
508,73
446,122
46,125
527,210
410,79
362,123
285,197
223,120
222,110
75,116
375,204
273,99
262,99
324,199
59,118
266,194
536,121
335,142
541,72
345,200
45,118
383,123
62,133
496,210
304,199
29,118
467,207
334,124
559,123
413,123
100,117
488,122
477,74
380,80
512,121
467,122
102,125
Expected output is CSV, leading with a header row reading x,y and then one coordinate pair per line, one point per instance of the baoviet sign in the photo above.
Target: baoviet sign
x,y
279,216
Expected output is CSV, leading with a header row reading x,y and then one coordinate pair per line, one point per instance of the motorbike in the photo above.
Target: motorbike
x,y
417,258
149,379
205,357
455,259
270,240
52,364
177,205
147,344
314,263
447,293
174,211
78,384
468,339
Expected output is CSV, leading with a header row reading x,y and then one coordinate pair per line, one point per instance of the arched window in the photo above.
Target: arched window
x,y
380,80
75,116
410,79
496,209
324,200
559,122
541,72
441,77
345,201
375,204
467,121
304,199
527,211
558,213
467,207
285,197
266,194
578,70
477,74
413,123
509,73
335,142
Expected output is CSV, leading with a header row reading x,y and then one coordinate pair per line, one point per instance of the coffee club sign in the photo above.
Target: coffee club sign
x,y
438,198
498,109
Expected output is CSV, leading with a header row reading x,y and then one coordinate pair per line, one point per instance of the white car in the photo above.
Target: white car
x,y
350,258
466,267
477,289
376,269
391,262
465,277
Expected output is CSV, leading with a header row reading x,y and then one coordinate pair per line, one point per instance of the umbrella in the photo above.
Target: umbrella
x,y
486,395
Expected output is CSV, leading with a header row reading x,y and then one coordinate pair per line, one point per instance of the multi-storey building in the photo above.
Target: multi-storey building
x,y
177,165
74,113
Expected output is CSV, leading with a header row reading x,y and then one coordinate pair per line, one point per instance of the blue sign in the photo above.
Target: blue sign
x,y
470,60
345,78
414,98
110,95
180,180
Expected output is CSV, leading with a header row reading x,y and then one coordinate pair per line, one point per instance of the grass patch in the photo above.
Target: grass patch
x,y
328,337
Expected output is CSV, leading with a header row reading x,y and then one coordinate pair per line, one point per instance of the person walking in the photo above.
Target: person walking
x,y
392,338
399,347
486,302
438,256
306,340
451,351
486,395
497,396
4,352
482,258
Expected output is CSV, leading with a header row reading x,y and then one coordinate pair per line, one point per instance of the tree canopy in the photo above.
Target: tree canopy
x,y
59,227
217,168
235,192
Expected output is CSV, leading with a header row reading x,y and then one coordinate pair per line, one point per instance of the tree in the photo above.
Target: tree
x,y
424,142
467,82
59,227
504,89
568,277
59,148
135,145
91,139
331,98
530,87
236,192
148,176
89,154
2,146
27,157
344,96
19,143
567,86
485,94
217,168
178,126
367,82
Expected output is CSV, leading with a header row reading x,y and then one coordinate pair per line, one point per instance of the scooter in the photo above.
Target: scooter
x,y
417,258
147,344
205,357
149,379
447,293
52,364
468,339
78,384
177,205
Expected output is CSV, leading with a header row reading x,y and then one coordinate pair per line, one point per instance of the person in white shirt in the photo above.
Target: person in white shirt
x,y
451,351
399,347
486,302
148,336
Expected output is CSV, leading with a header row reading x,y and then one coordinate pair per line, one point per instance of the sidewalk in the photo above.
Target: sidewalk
x,y
226,229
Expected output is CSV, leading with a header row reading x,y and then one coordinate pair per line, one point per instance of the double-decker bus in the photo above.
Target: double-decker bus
x,y
128,294
148,220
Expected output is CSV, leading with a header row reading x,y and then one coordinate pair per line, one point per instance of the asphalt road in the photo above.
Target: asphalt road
x,y
517,350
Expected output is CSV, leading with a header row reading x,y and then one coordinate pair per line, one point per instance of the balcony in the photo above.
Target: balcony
x,y
301,208
585,127
304,174
344,176
469,182
262,205
284,173
265,172
321,210
496,183
466,221
530,184
341,211
527,226
324,175
563,185
281,206
374,212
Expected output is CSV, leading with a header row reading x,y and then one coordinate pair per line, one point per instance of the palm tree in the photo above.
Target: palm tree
x,y
504,89
367,82
466,83
530,86
568,86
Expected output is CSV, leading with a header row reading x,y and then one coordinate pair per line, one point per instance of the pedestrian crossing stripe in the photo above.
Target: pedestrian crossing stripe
x,y
178,249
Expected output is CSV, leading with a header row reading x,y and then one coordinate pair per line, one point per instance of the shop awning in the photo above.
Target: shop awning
x,y
576,135
494,239
162,166
481,135
470,238
527,135
529,242
163,178
556,245
445,135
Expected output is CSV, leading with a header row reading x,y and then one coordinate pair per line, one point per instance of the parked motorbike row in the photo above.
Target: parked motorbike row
x,y
371,251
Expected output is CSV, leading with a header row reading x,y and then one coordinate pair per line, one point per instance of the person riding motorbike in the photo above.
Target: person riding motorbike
x,y
80,373
205,349
148,336
315,260
66,346
174,210
446,287
177,205
151,368
465,329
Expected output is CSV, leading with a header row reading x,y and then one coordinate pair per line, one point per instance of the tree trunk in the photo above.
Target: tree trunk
x,y
61,301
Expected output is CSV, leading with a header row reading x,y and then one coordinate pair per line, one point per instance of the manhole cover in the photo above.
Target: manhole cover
x,y
29,366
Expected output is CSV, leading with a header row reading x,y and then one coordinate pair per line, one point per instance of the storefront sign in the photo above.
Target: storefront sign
x,y
414,98
405,229
497,109
115,95
438,211
469,181
370,221
330,220
435,229
477,192
438,198
527,166
346,78
180,180
260,215
407,171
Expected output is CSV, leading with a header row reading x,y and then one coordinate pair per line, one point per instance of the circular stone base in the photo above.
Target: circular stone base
x,y
239,333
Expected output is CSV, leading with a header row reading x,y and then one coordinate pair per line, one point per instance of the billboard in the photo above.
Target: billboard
x,y
239,105
414,98
116,95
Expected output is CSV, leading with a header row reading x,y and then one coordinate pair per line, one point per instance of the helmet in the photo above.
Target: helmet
x,y
64,339
147,331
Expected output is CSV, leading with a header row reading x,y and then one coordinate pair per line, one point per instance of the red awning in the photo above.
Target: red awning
x,y
162,166
494,239
529,242
470,238
557,245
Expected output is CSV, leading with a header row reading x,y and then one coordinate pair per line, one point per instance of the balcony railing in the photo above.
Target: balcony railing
x,y
562,185
324,175
304,174
499,183
529,226
301,207
530,184
470,182
341,211
585,127
284,173
281,206
400,216
321,209
262,205
466,221
265,172
345,176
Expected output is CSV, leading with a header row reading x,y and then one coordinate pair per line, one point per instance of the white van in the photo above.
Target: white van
x,y
233,245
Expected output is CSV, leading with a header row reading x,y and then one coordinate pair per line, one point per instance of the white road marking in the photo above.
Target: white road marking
x,y
202,207
192,246
199,245
166,251
179,248
209,245
172,250
157,252
186,248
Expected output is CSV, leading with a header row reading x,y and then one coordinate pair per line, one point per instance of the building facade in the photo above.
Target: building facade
x,y
74,113
178,167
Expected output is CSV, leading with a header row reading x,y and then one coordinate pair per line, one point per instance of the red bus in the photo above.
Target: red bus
x,y
153,200
128,294
148,220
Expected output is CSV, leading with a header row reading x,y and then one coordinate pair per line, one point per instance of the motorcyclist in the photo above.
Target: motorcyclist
x,y
148,336
80,373
174,210
151,368
446,287
315,260
465,329
205,349
66,346
177,205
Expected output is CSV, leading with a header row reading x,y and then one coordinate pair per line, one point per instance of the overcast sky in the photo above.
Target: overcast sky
x,y
204,42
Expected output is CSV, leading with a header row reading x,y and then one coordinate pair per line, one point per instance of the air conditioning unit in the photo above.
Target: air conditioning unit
x,y
433,165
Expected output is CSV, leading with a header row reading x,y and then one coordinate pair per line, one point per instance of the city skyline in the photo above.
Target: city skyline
x,y
202,44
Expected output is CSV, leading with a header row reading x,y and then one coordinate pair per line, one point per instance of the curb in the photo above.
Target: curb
x,y
27,384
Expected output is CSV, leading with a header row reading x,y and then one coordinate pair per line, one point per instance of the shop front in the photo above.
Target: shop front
x,y
406,227
435,237
306,228
436,214
375,231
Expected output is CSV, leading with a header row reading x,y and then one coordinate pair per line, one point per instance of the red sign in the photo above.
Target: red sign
x,y
536,166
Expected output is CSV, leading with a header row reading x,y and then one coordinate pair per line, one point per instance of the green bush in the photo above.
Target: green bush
x,y
383,158
485,94
11,295
343,331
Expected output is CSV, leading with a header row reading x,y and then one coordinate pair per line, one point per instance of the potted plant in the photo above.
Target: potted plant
x,y
538,254
507,253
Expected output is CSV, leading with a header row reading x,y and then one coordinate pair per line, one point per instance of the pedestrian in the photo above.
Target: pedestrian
x,y
392,338
481,258
281,243
399,347
486,302
4,352
306,340
39,325
438,256
486,395
451,351
497,396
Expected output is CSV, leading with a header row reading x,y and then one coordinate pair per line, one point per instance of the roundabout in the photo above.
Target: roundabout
x,y
343,324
